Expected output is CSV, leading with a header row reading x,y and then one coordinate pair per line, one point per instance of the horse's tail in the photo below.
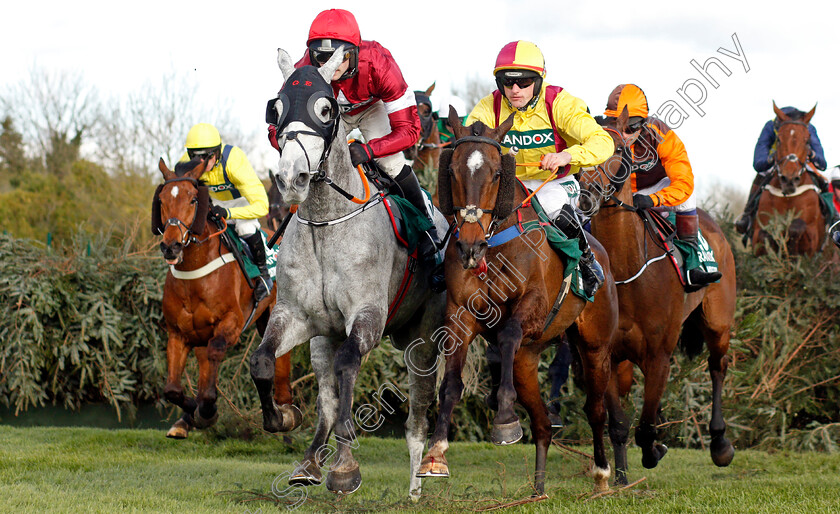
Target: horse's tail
x,y
691,337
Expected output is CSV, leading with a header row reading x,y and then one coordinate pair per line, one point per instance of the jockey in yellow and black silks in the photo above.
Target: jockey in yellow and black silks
x,y
551,127
238,194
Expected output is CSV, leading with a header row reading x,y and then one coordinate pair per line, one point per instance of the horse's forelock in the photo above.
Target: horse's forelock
x,y
182,168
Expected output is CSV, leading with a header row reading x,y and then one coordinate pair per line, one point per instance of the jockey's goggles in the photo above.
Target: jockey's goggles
x,y
322,56
522,82
201,153
635,124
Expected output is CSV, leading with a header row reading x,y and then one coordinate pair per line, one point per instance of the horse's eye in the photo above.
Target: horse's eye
x,y
194,200
497,175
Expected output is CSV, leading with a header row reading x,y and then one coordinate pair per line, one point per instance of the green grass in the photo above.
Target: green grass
x,y
96,470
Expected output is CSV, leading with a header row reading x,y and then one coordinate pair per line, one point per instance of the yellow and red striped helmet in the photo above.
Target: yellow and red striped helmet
x,y
630,95
520,55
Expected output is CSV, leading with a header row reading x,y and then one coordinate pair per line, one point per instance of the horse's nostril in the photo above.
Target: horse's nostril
x,y
302,180
281,184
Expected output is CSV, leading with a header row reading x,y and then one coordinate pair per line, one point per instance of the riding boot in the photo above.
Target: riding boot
x,y
590,270
263,282
430,244
687,227
744,221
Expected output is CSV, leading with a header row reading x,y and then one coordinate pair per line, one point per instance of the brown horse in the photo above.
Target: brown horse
x,y
514,295
792,188
425,154
655,311
205,306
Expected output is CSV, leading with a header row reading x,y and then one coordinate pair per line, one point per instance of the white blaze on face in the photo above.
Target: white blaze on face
x,y
791,132
175,192
475,161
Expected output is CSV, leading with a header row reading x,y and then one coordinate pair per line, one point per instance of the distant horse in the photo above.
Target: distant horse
x,y
425,154
514,295
654,309
792,189
342,277
206,300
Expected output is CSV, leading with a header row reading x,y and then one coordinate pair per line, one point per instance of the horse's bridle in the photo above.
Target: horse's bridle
x,y
472,213
777,165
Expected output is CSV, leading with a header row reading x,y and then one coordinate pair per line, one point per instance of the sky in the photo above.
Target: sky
x,y
788,53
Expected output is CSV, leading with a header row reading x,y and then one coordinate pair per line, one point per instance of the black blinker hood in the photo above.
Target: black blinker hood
x,y
298,96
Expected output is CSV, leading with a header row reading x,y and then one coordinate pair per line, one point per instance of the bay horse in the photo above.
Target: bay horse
x,y
654,310
791,188
514,295
425,154
342,276
206,300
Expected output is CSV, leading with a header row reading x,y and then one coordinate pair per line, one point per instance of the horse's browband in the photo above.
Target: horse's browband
x,y
477,139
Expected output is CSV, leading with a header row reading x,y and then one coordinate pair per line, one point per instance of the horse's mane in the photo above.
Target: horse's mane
x,y
183,167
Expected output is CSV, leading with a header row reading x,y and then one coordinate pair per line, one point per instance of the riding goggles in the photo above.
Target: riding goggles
x,y
635,125
322,56
522,82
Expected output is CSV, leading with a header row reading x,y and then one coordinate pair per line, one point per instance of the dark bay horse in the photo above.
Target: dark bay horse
x,y
514,295
425,154
792,188
206,299
654,310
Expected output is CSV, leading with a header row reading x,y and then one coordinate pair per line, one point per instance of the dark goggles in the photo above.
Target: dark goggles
x,y
522,82
321,57
201,153
635,126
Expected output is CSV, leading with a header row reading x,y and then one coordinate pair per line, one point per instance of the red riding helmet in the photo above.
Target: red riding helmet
x,y
331,29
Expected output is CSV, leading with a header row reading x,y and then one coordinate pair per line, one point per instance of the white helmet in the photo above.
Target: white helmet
x,y
457,103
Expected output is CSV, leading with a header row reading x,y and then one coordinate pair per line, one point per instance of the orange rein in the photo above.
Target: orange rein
x,y
546,181
367,187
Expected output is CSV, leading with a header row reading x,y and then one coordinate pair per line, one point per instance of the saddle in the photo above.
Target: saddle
x,y
243,256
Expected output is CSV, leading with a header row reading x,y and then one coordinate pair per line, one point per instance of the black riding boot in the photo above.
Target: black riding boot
x,y
429,245
687,227
590,270
744,221
263,282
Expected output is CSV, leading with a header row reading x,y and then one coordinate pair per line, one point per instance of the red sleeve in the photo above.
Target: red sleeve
x,y
405,131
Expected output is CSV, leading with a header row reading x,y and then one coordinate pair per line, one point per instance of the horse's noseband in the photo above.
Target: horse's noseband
x,y
471,214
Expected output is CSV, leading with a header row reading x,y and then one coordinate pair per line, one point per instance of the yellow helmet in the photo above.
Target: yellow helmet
x,y
203,136
520,55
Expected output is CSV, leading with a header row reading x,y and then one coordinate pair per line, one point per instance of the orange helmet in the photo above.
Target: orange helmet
x,y
629,95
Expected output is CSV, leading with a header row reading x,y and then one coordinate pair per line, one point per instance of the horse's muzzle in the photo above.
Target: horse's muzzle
x,y
471,253
172,254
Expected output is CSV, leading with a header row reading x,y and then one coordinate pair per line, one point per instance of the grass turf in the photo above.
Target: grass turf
x,y
98,470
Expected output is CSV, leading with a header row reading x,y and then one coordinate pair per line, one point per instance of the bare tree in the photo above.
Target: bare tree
x,y
55,111
474,89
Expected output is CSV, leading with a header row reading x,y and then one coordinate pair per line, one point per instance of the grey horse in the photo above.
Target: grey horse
x,y
339,268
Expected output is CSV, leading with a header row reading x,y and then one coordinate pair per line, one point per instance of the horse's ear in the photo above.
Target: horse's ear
x,y
167,173
502,129
444,183
807,117
780,113
455,122
284,61
328,69
201,210
198,171
431,88
621,121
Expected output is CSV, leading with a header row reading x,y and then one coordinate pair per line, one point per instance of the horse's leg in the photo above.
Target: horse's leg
x,y
506,427
365,331
434,462
592,339
656,371
527,385
284,332
619,425
421,362
282,383
321,351
176,358
226,333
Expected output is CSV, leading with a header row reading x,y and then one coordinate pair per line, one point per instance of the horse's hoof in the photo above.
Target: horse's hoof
x,y
291,417
601,477
722,451
433,467
652,458
620,478
344,482
201,422
272,420
508,433
306,475
179,430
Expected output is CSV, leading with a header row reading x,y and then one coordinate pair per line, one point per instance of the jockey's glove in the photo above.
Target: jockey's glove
x,y
642,202
218,212
360,153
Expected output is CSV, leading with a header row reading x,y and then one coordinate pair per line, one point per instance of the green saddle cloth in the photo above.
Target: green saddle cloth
x,y
566,248
251,269
413,223
828,200
702,256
